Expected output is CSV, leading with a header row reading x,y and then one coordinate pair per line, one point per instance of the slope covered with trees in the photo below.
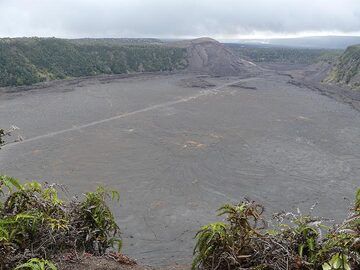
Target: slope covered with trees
x,y
347,68
25,61
285,55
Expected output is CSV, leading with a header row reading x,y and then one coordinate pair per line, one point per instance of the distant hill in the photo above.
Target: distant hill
x,y
207,55
326,42
116,41
25,61
347,69
284,55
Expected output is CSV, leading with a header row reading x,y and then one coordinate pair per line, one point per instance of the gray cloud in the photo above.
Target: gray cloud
x,y
166,18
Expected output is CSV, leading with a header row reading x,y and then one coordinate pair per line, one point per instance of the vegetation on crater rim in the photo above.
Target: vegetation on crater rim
x,y
25,61
284,55
347,68
296,241
36,224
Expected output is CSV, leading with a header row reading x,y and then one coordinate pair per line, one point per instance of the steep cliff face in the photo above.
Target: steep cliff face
x,y
209,56
347,69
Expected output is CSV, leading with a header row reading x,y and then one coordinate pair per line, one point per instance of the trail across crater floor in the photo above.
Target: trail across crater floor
x,y
176,152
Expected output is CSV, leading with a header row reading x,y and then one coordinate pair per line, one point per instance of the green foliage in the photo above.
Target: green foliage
x,y
285,55
297,241
229,245
25,61
97,223
357,201
210,238
301,236
347,68
36,223
338,261
37,264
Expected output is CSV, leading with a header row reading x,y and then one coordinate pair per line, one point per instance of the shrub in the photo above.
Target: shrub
x,y
36,223
296,242
2,135
37,264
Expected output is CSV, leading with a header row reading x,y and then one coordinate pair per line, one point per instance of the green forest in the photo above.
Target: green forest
x,y
286,55
25,61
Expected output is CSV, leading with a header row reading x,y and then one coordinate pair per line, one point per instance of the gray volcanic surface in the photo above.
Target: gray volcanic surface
x,y
177,151
206,55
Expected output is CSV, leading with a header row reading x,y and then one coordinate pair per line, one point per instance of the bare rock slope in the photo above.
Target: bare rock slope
x,y
206,55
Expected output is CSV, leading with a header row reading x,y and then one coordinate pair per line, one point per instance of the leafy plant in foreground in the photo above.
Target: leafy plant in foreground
x,y
36,223
96,223
302,243
337,261
37,264
230,245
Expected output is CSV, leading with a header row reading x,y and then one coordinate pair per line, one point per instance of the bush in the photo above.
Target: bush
x,y
7,133
295,242
2,135
37,264
35,223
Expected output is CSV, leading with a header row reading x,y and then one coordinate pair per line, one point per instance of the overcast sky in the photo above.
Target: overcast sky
x,y
178,18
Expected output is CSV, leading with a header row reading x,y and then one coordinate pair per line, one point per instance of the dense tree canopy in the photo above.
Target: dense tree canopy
x,y
26,61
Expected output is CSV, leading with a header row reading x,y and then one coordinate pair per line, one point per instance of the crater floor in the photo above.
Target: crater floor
x,y
178,151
